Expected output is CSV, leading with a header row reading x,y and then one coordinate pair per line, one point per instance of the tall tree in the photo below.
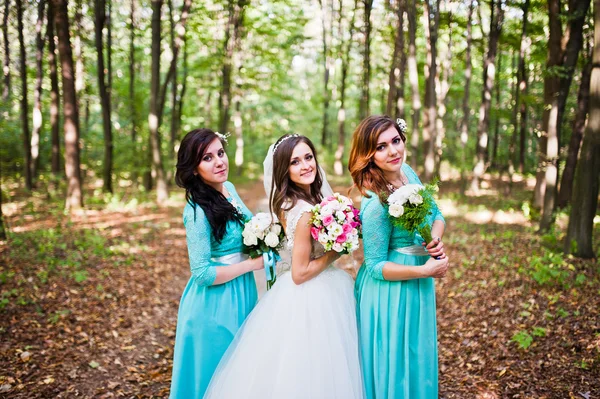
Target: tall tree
x,y
520,107
443,74
99,24
236,9
6,66
466,109
37,97
489,72
494,157
395,68
567,49
74,198
173,134
366,78
587,176
132,102
24,101
54,94
413,77
78,50
345,48
327,64
162,193
431,18
566,183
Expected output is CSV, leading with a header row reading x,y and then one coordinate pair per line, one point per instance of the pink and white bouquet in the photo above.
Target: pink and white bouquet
x,y
263,236
409,206
336,224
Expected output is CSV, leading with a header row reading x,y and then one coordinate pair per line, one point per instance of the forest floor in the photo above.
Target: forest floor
x,y
88,303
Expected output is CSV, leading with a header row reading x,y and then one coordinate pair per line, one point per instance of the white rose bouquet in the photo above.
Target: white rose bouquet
x,y
409,206
336,224
263,236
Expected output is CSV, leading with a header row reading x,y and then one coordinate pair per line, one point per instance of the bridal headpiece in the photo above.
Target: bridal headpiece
x,y
284,139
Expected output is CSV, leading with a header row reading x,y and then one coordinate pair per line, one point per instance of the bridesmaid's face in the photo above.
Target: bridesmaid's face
x,y
389,153
303,167
214,165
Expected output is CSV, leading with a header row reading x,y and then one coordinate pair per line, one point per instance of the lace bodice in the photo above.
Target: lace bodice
x,y
291,221
379,235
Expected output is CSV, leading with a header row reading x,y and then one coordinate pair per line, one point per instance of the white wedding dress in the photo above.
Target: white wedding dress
x,y
300,341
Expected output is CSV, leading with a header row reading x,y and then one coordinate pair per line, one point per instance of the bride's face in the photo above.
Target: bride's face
x,y
303,167
389,153
214,165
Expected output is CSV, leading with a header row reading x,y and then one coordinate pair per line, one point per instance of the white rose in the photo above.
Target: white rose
x,y
337,247
335,205
250,240
323,237
415,199
276,229
396,210
340,216
335,229
326,210
272,240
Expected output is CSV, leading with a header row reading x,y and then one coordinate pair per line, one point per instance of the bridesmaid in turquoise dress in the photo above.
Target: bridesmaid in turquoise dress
x,y
221,292
395,288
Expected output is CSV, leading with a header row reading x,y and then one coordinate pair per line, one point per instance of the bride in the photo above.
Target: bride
x,y
301,340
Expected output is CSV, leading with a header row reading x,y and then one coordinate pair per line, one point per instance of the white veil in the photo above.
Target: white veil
x,y
326,189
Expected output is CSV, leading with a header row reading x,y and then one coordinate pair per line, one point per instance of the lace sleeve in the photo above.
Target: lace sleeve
x,y
197,234
413,178
291,220
377,231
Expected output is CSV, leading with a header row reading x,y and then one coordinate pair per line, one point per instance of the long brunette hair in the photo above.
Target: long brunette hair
x,y
365,174
217,209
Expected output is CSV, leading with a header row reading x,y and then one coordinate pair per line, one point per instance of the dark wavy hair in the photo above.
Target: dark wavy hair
x,y
365,174
217,209
288,193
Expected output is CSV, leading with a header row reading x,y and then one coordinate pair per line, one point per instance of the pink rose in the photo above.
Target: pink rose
x,y
347,228
314,232
327,220
341,238
356,212
349,215
354,224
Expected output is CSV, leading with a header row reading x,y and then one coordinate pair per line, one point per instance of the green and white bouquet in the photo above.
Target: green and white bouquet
x,y
263,236
409,207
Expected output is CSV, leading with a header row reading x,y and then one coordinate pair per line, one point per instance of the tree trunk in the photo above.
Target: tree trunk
x,y
71,115
54,94
109,47
37,99
78,49
489,72
173,130
162,193
494,157
6,69
413,77
431,17
566,183
327,64
345,48
183,86
366,78
132,101
587,176
568,59
24,101
100,23
394,74
464,125
442,89
236,15
400,92
519,103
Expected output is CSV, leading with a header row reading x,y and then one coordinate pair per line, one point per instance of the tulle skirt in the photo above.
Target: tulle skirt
x,y
300,341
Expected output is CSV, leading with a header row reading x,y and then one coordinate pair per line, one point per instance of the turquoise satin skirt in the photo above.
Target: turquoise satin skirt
x,y
208,319
398,334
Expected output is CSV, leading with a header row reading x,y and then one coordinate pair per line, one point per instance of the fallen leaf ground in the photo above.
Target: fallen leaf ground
x,y
88,304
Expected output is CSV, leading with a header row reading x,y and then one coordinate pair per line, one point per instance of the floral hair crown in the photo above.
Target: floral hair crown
x,y
284,139
402,125
223,137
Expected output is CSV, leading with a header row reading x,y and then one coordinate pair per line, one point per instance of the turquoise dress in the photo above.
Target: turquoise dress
x,y
209,315
396,319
